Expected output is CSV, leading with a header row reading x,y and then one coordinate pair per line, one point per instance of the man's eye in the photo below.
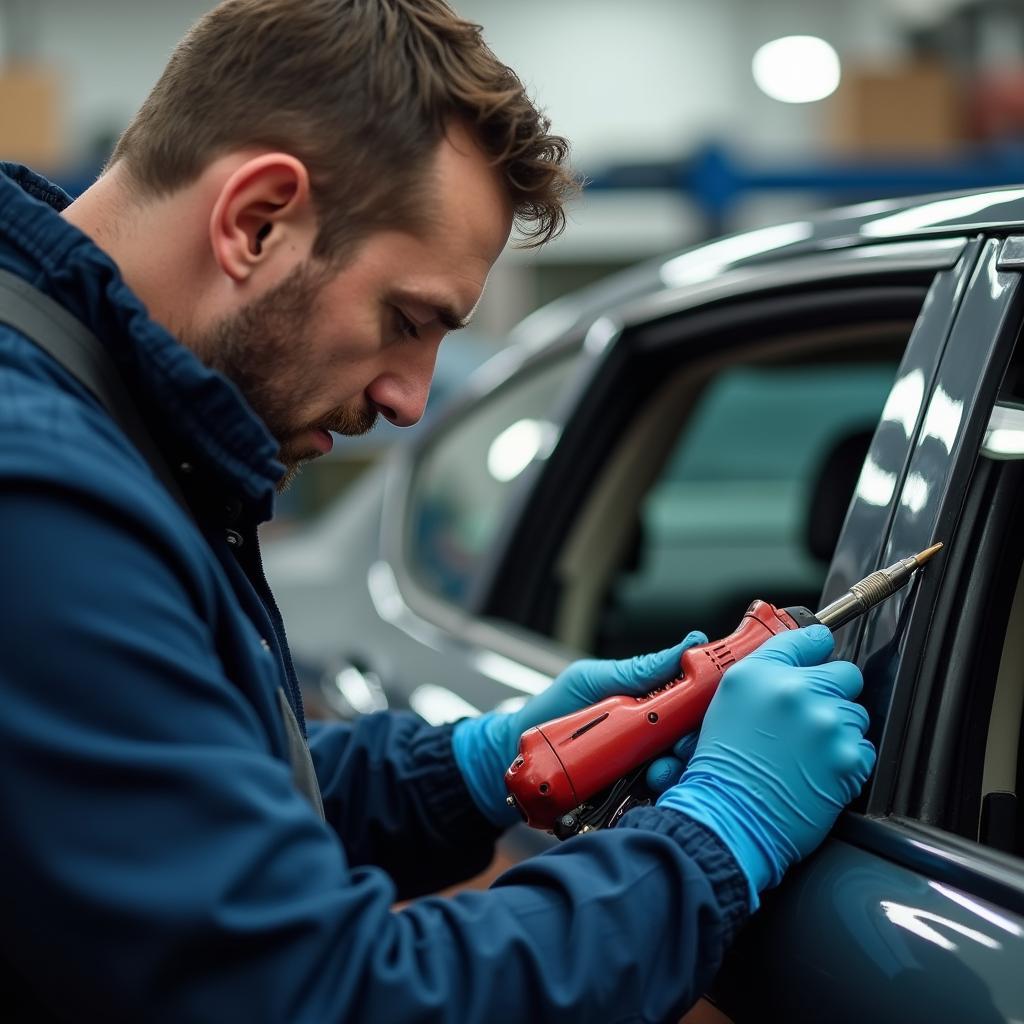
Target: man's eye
x,y
406,326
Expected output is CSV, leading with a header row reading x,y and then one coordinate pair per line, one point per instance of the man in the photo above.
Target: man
x,y
312,195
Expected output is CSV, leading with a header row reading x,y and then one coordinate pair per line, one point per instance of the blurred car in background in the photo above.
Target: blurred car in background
x,y
772,415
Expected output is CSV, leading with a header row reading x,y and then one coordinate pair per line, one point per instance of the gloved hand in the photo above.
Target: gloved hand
x,y
780,753
668,770
484,747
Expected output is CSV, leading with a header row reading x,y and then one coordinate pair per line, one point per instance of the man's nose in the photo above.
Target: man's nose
x,y
401,393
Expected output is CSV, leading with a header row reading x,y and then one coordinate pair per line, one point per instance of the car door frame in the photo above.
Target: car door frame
x,y
899,892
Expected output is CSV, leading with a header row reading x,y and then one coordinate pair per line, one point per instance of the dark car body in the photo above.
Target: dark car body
x,y
771,415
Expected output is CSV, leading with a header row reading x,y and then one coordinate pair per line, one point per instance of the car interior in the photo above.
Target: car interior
x,y
650,556
999,820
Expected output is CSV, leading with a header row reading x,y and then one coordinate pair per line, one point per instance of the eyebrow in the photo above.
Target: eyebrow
x,y
444,312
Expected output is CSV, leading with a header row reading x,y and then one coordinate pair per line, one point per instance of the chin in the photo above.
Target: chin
x,y
293,464
288,479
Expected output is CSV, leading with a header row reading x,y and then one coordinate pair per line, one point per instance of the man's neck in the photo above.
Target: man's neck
x,y
145,239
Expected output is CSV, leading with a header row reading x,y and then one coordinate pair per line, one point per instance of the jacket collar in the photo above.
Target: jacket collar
x,y
202,413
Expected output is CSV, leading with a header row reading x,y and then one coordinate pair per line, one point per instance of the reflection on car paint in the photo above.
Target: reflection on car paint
x,y
915,919
961,899
360,690
1004,435
910,249
997,282
511,705
601,334
709,261
383,587
391,607
940,212
875,485
518,445
439,705
915,493
511,673
942,421
904,401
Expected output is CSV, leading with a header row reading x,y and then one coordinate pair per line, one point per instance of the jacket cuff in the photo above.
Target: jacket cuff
x,y
710,854
443,790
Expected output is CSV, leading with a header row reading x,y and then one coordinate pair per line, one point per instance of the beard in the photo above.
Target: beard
x,y
266,350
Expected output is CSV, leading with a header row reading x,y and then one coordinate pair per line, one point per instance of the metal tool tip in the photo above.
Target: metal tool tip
x,y
927,554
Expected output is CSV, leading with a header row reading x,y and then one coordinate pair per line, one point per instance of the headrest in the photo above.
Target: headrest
x,y
832,491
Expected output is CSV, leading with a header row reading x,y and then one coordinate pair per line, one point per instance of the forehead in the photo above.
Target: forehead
x,y
468,218
473,207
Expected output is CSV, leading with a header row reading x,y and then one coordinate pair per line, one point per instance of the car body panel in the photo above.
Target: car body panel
x,y
854,936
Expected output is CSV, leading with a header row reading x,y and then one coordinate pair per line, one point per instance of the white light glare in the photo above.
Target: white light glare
x,y
517,446
797,69
439,705
709,261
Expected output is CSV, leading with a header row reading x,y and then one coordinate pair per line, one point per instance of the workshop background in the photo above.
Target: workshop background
x,y
687,118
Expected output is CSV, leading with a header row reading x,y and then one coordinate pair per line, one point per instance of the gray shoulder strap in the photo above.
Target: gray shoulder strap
x,y
303,771
79,351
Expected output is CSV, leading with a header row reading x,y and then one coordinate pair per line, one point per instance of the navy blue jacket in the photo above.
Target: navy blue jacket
x,y
158,863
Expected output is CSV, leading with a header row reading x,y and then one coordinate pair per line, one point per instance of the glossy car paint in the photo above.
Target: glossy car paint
x,y
855,936
878,493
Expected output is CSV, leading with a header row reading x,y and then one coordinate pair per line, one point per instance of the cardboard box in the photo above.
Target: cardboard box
x,y
31,122
903,110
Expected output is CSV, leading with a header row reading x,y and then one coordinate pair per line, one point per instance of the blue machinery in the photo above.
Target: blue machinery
x,y
715,181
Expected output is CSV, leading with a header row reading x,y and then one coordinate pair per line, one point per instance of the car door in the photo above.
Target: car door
x,y
714,454
500,582
914,908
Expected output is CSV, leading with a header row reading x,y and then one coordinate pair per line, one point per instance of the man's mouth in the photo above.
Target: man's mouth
x,y
323,441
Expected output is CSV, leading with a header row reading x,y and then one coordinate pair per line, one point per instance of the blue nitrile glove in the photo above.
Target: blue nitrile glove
x,y
484,747
668,770
780,753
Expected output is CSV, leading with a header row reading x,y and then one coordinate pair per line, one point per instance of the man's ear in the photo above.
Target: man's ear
x,y
263,216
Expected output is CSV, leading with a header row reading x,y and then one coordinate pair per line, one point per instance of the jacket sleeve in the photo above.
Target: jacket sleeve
x,y
160,866
390,776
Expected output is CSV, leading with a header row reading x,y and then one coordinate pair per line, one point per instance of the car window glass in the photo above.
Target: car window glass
x,y
1001,819
728,480
460,487
729,518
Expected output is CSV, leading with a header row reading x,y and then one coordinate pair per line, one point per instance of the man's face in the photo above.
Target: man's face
x,y
331,349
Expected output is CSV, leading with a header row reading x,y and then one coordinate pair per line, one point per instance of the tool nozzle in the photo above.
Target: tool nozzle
x,y
927,554
873,589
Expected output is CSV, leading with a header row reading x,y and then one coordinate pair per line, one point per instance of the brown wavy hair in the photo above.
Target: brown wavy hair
x,y
361,91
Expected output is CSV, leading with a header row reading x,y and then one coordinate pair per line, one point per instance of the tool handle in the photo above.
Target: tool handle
x,y
563,763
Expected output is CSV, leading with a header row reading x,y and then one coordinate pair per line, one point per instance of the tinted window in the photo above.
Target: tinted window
x,y
742,501
461,484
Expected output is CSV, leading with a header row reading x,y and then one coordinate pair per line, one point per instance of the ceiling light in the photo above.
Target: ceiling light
x,y
797,69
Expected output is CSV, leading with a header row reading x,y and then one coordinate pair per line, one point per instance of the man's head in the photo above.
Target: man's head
x,y
334,180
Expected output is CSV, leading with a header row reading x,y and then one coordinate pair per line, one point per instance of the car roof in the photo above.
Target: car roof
x,y
890,220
